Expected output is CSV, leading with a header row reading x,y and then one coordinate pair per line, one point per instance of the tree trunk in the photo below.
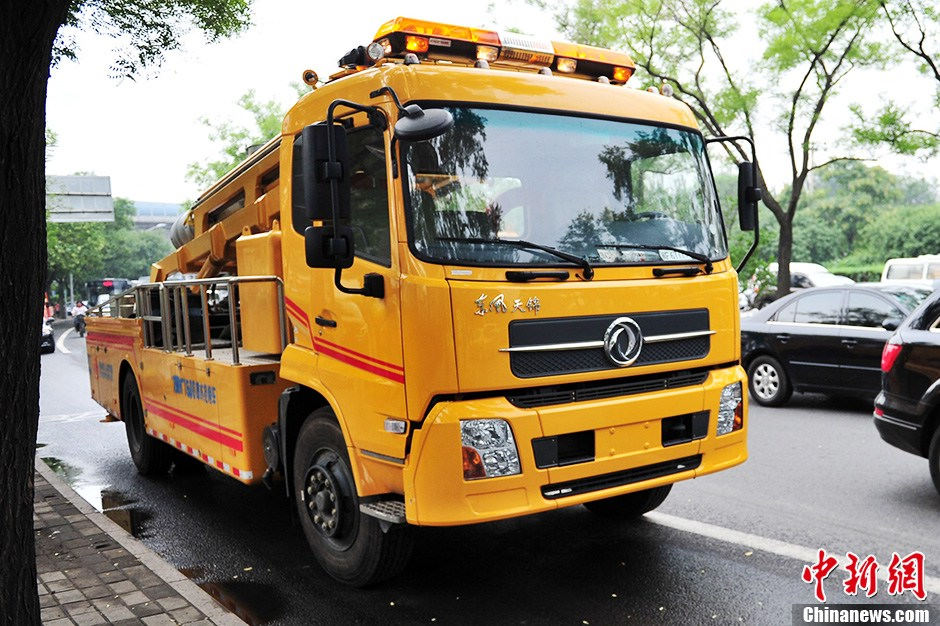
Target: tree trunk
x,y
27,30
784,254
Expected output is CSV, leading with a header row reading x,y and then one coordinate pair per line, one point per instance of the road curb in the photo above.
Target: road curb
x,y
169,574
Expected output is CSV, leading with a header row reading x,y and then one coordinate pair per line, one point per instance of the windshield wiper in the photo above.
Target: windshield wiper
x,y
519,243
636,246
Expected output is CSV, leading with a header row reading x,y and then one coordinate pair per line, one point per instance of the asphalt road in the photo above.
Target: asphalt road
x,y
818,477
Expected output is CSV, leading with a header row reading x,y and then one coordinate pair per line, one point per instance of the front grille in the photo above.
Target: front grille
x,y
617,479
532,364
525,364
597,390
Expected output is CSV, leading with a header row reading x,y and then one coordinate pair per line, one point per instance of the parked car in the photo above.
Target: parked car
x,y
802,276
907,411
825,339
47,339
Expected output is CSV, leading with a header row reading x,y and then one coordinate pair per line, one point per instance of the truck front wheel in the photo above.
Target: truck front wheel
x,y
630,505
349,546
149,455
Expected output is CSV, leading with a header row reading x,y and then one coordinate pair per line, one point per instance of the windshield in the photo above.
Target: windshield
x,y
589,187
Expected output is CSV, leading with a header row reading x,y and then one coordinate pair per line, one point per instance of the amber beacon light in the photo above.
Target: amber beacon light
x,y
460,44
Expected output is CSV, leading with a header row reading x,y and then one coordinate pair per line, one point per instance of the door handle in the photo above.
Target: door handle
x,y
849,342
322,321
783,338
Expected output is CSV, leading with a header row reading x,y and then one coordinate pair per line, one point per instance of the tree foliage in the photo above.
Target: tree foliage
x,y
234,139
810,46
915,29
146,30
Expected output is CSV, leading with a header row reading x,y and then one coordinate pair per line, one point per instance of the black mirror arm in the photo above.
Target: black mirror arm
x,y
754,185
371,287
386,89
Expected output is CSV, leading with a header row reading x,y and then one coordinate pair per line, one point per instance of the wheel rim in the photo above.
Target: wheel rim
x,y
765,381
328,500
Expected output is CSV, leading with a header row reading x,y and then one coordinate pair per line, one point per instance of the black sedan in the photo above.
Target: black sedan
x,y
825,339
907,411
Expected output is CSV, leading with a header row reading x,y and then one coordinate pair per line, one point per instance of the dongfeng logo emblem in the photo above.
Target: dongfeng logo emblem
x,y
623,341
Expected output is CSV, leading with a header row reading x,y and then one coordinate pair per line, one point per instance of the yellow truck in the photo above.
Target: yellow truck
x,y
475,277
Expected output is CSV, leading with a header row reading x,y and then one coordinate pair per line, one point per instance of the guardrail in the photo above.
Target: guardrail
x,y
174,315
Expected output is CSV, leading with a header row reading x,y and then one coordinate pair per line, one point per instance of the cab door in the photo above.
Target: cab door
x,y
358,338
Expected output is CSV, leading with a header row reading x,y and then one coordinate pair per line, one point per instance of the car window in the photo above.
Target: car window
x,y
905,271
819,308
786,313
865,309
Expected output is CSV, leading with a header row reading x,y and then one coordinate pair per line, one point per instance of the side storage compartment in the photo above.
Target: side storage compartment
x,y
260,255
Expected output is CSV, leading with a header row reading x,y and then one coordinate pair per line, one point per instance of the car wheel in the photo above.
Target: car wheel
x,y
934,458
149,455
768,381
630,505
349,546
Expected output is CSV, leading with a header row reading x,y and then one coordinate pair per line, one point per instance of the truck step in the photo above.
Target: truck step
x,y
391,511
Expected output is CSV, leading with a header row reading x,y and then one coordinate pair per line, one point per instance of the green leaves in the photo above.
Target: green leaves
x,y
146,30
234,139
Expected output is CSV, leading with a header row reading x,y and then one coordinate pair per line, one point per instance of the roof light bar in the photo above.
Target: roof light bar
x,y
453,43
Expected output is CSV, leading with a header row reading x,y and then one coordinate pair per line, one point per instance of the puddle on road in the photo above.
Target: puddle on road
x,y
255,603
114,504
119,508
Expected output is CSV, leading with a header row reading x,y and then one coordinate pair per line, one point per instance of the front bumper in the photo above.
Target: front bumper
x,y
628,453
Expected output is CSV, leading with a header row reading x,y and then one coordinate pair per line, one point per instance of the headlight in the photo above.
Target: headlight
x,y
489,449
730,410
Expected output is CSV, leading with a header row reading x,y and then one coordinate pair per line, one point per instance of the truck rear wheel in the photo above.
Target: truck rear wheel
x,y
630,505
149,455
349,546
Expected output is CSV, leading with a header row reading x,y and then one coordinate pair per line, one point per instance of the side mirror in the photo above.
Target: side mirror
x,y
323,249
314,173
891,323
417,124
748,196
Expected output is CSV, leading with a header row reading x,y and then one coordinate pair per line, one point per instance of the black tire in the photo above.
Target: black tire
x,y
630,505
151,456
768,381
934,458
348,545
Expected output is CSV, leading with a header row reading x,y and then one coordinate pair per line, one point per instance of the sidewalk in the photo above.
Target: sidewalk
x,y
93,572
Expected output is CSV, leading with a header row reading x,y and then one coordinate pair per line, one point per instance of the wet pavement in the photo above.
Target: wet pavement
x,y
818,477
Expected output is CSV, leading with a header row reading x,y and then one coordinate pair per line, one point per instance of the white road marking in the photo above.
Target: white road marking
x,y
765,544
60,344
72,417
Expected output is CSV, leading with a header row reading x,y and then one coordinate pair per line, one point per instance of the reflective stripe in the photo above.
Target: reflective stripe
x,y
205,458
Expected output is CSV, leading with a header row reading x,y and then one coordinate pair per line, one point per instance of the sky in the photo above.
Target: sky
x,y
144,133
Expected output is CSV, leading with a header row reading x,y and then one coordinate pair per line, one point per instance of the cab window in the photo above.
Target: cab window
x,y
369,195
